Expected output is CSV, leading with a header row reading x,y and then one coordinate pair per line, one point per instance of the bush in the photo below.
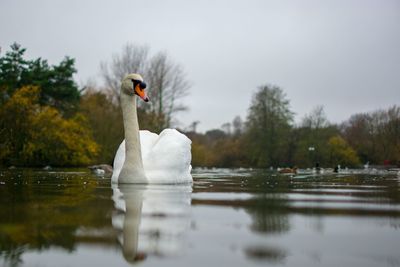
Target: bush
x,y
36,135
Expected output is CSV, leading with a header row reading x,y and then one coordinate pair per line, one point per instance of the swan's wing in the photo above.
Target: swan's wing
x,y
168,160
118,162
147,141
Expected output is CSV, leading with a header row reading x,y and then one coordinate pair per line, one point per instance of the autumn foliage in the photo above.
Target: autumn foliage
x,y
39,122
36,135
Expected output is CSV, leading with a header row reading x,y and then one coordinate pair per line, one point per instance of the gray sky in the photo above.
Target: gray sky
x,y
344,55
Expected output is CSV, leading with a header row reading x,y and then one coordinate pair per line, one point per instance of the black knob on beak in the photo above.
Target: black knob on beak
x,y
142,85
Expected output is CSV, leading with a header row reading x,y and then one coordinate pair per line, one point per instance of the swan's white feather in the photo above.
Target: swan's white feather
x,y
166,157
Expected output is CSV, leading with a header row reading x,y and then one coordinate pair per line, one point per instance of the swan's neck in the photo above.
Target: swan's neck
x,y
132,170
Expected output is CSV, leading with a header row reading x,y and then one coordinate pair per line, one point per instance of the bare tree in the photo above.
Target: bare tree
x,y
238,126
193,127
227,128
316,119
167,83
375,135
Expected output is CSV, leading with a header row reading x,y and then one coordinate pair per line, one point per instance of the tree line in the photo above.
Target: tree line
x,y
46,119
269,138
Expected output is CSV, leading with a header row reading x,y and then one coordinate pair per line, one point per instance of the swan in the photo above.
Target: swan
x,y
145,157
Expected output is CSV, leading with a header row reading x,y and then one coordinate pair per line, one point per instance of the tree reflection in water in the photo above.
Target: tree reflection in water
x,y
151,219
43,210
269,216
269,213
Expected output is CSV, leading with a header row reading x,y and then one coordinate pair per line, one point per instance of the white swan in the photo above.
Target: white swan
x,y
145,157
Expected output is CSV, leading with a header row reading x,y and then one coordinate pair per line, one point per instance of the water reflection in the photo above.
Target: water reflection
x,y
266,253
244,219
40,211
151,219
305,220
269,214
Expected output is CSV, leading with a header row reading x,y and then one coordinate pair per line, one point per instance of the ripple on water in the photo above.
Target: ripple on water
x,y
229,217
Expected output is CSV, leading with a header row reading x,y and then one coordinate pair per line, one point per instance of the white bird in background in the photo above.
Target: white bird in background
x,y
145,157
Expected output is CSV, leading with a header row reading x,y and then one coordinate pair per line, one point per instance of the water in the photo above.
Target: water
x,y
228,218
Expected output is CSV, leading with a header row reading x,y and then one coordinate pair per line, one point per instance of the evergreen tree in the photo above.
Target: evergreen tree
x,y
56,83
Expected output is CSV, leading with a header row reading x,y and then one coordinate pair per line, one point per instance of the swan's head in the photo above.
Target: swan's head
x,y
133,84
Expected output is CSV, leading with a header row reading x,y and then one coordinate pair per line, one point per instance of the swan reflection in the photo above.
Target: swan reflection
x,y
151,219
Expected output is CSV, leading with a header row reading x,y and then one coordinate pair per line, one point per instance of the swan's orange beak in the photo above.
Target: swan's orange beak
x,y
141,93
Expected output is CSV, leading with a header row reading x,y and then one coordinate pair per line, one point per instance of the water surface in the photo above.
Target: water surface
x,y
227,218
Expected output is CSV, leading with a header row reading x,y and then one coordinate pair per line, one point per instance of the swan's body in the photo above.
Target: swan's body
x,y
145,157
166,157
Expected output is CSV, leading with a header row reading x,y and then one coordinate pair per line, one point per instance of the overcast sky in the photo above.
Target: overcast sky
x,y
344,55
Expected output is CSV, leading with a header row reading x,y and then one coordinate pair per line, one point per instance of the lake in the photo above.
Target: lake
x,y
71,217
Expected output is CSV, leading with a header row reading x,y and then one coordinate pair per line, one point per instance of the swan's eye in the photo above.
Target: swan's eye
x,y
142,85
